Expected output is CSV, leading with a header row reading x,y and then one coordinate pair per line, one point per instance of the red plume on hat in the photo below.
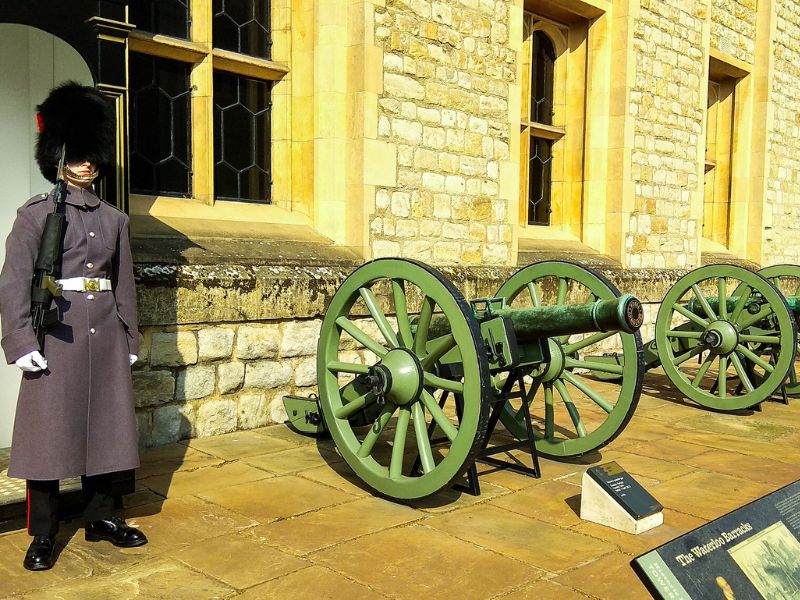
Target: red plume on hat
x,y
81,118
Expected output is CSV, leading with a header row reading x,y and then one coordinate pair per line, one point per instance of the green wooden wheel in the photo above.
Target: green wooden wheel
x,y
586,402
404,378
787,279
743,343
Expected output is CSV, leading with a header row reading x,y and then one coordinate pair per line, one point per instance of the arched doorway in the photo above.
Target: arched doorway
x,y
32,62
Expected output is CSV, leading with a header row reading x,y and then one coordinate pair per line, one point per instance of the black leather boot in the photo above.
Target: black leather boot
x,y
116,531
40,555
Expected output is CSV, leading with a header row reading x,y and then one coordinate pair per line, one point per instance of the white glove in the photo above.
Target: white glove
x,y
32,362
132,358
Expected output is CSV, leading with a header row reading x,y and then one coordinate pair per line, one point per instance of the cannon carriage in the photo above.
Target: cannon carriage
x,y
414,412
726,337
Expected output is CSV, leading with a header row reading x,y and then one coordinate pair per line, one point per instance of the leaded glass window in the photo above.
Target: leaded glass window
x,y
242,169
540,188
544,58
167,17
243,26
160,126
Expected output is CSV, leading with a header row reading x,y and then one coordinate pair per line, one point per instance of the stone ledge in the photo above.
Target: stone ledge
x,y
230,293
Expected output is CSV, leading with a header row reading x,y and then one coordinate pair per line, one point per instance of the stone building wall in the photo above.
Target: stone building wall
x,y
733,28
782,210
667,103
447,69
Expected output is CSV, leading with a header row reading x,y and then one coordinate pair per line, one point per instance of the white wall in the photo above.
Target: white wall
x,y
31,63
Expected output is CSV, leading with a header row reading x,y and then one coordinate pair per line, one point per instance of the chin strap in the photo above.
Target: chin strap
x,y
79,180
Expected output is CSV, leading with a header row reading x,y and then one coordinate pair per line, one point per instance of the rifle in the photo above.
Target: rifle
x,y
48,261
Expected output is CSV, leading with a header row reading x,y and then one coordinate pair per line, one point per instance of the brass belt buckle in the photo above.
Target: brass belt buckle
x,y
91,284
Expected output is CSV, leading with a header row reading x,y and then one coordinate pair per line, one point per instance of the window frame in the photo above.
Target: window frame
x,y
204,60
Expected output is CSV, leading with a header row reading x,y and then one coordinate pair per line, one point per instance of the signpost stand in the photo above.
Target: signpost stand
x,y
612,497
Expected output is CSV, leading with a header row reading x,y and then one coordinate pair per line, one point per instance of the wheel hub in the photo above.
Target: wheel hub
x,y
400,376
721,337
557,359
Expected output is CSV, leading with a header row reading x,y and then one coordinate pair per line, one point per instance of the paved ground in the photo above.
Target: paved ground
x,y
271,514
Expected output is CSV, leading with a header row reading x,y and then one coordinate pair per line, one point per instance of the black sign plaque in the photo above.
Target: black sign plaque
x,y
748,554
630,495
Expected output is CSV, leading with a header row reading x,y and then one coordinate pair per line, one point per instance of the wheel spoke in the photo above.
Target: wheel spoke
x,y
401,312
375,431
423,443
595,397
571,363
749,320
432,380
533,290
690,315
737,310
377,314
701,372
437,414
399,445
549,417
335,366
755,358
437,349
360,336
562,291
571,409
722,380
352,407
722,298
681,358
741,372
423,325
701,299
760,339
588,341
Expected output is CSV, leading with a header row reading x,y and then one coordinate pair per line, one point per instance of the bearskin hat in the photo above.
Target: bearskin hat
x,y
84,120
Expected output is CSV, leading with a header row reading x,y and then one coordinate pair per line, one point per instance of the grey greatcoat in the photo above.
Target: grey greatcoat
x,y
76,417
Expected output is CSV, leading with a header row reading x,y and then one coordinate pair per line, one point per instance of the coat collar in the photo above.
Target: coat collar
x,y
81,197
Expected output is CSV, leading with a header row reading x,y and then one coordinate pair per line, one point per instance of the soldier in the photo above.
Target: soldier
x,y
75,413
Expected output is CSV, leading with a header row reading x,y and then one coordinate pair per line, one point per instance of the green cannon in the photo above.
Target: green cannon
x,y
412,378
725,336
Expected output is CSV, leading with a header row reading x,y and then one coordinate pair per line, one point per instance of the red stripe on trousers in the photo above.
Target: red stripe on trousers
x,y
28,496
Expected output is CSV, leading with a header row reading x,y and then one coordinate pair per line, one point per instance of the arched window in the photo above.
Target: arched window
x,y
543,72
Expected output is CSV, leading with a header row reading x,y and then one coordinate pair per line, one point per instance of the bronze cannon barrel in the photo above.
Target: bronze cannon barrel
x,y
620,314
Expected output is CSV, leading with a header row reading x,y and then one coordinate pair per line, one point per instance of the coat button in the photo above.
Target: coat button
x,y
90,297
92,331
90,265
91,234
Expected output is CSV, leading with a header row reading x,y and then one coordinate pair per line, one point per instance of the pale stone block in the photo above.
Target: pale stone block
x,y
401,204
277,412
267,374
305,373
401,86
151,388
173,349
254,341
215,417
384,248
407,228
409,131
382,199
455,231
215,342
253,411
195,382
300,338
230,376
419,250
144,429
171,424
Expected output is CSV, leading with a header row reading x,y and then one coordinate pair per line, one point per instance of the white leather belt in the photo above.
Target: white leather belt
x,y
85,284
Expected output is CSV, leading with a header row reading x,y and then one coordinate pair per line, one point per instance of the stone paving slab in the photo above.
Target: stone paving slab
x,y
269,513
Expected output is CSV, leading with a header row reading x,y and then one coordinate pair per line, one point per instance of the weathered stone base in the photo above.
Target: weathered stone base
x,y
222,345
